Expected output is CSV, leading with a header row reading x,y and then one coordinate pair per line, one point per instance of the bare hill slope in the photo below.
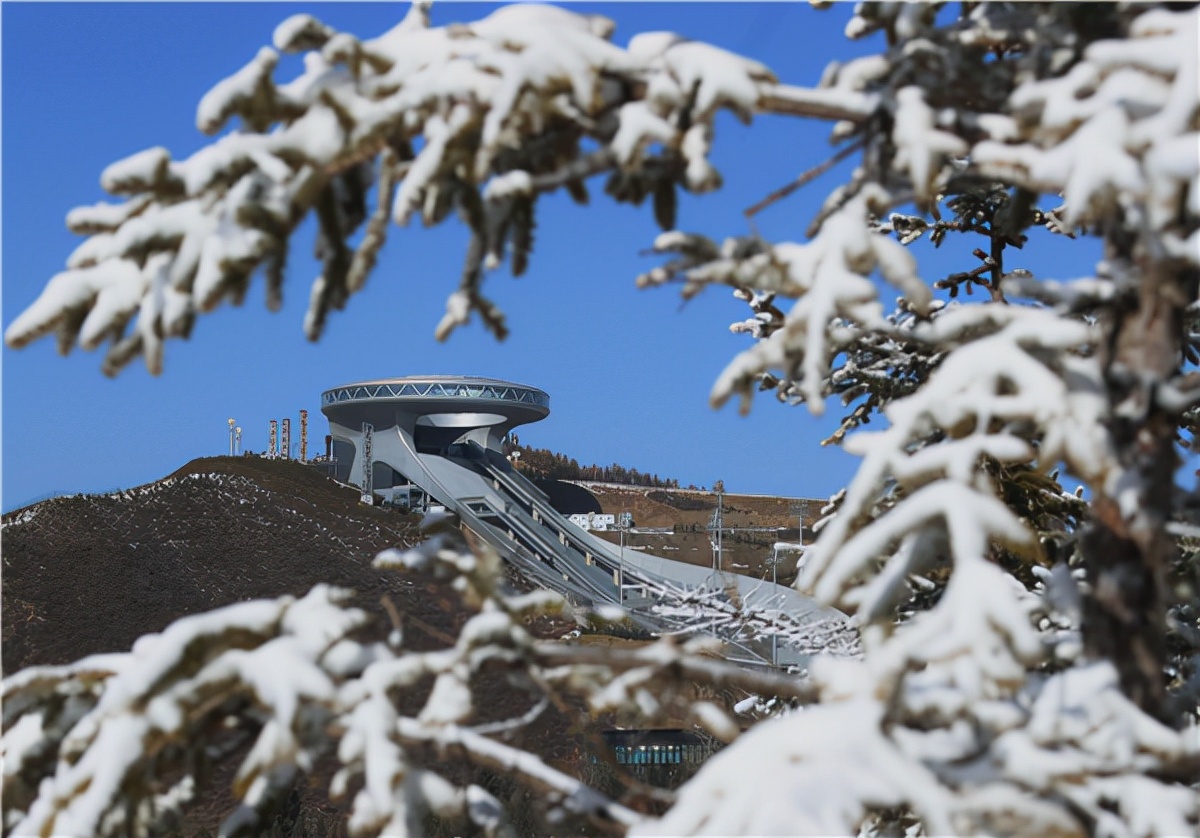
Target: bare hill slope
x,y
91,573
754,523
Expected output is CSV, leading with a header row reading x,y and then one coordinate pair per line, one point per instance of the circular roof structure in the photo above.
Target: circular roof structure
x,y
440,400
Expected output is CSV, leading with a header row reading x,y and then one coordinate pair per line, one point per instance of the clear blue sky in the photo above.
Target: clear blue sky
x,y
628,371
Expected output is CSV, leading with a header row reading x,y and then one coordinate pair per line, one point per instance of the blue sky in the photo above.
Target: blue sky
x,y
628,371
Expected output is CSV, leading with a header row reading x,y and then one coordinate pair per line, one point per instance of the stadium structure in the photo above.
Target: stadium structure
x,y
439,437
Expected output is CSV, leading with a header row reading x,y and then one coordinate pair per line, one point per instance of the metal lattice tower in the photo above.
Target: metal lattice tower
x,y
274,439
368,467
800,508
716,527
285,443
304,436
232,422
237,440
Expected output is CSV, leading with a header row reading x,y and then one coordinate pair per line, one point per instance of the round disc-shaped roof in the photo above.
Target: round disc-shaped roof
x,y
480,401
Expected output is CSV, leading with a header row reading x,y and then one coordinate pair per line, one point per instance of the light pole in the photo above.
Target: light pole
x,y
621,572
777,552
623,523
775,581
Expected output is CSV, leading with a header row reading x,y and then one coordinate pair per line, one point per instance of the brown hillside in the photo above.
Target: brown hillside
x,y
91,573
667,507
758,522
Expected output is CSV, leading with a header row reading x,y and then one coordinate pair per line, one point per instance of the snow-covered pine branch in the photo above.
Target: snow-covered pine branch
x,y
92,761
998,388
501,110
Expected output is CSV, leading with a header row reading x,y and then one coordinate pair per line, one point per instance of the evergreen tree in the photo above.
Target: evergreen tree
x,y
1028,655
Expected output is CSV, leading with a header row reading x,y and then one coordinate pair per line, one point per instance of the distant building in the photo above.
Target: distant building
x,y
438,439
594,521
663,758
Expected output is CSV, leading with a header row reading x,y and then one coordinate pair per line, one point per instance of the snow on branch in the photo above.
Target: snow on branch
x,y
166,694
1008,387
1119,127
829,278
1041,755
508,100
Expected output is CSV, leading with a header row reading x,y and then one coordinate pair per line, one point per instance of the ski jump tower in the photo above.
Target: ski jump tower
x,y
442,435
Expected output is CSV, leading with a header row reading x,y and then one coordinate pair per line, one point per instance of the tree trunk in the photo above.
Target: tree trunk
x,y
1126,547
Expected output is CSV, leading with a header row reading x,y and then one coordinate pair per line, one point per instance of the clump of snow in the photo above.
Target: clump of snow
x,y
460,93
136,173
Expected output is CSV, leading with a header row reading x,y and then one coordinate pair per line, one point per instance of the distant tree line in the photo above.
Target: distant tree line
x,y
549,464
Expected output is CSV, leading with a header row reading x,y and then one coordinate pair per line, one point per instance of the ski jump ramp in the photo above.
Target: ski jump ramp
x,y
443,435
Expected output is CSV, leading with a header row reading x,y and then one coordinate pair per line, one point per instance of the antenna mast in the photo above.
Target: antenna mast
x,y
232,422
286,443
274,449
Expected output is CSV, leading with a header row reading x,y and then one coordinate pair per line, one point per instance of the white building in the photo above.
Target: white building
x,y
593,521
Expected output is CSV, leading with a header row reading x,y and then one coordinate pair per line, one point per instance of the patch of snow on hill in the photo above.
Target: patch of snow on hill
x,y
25,517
